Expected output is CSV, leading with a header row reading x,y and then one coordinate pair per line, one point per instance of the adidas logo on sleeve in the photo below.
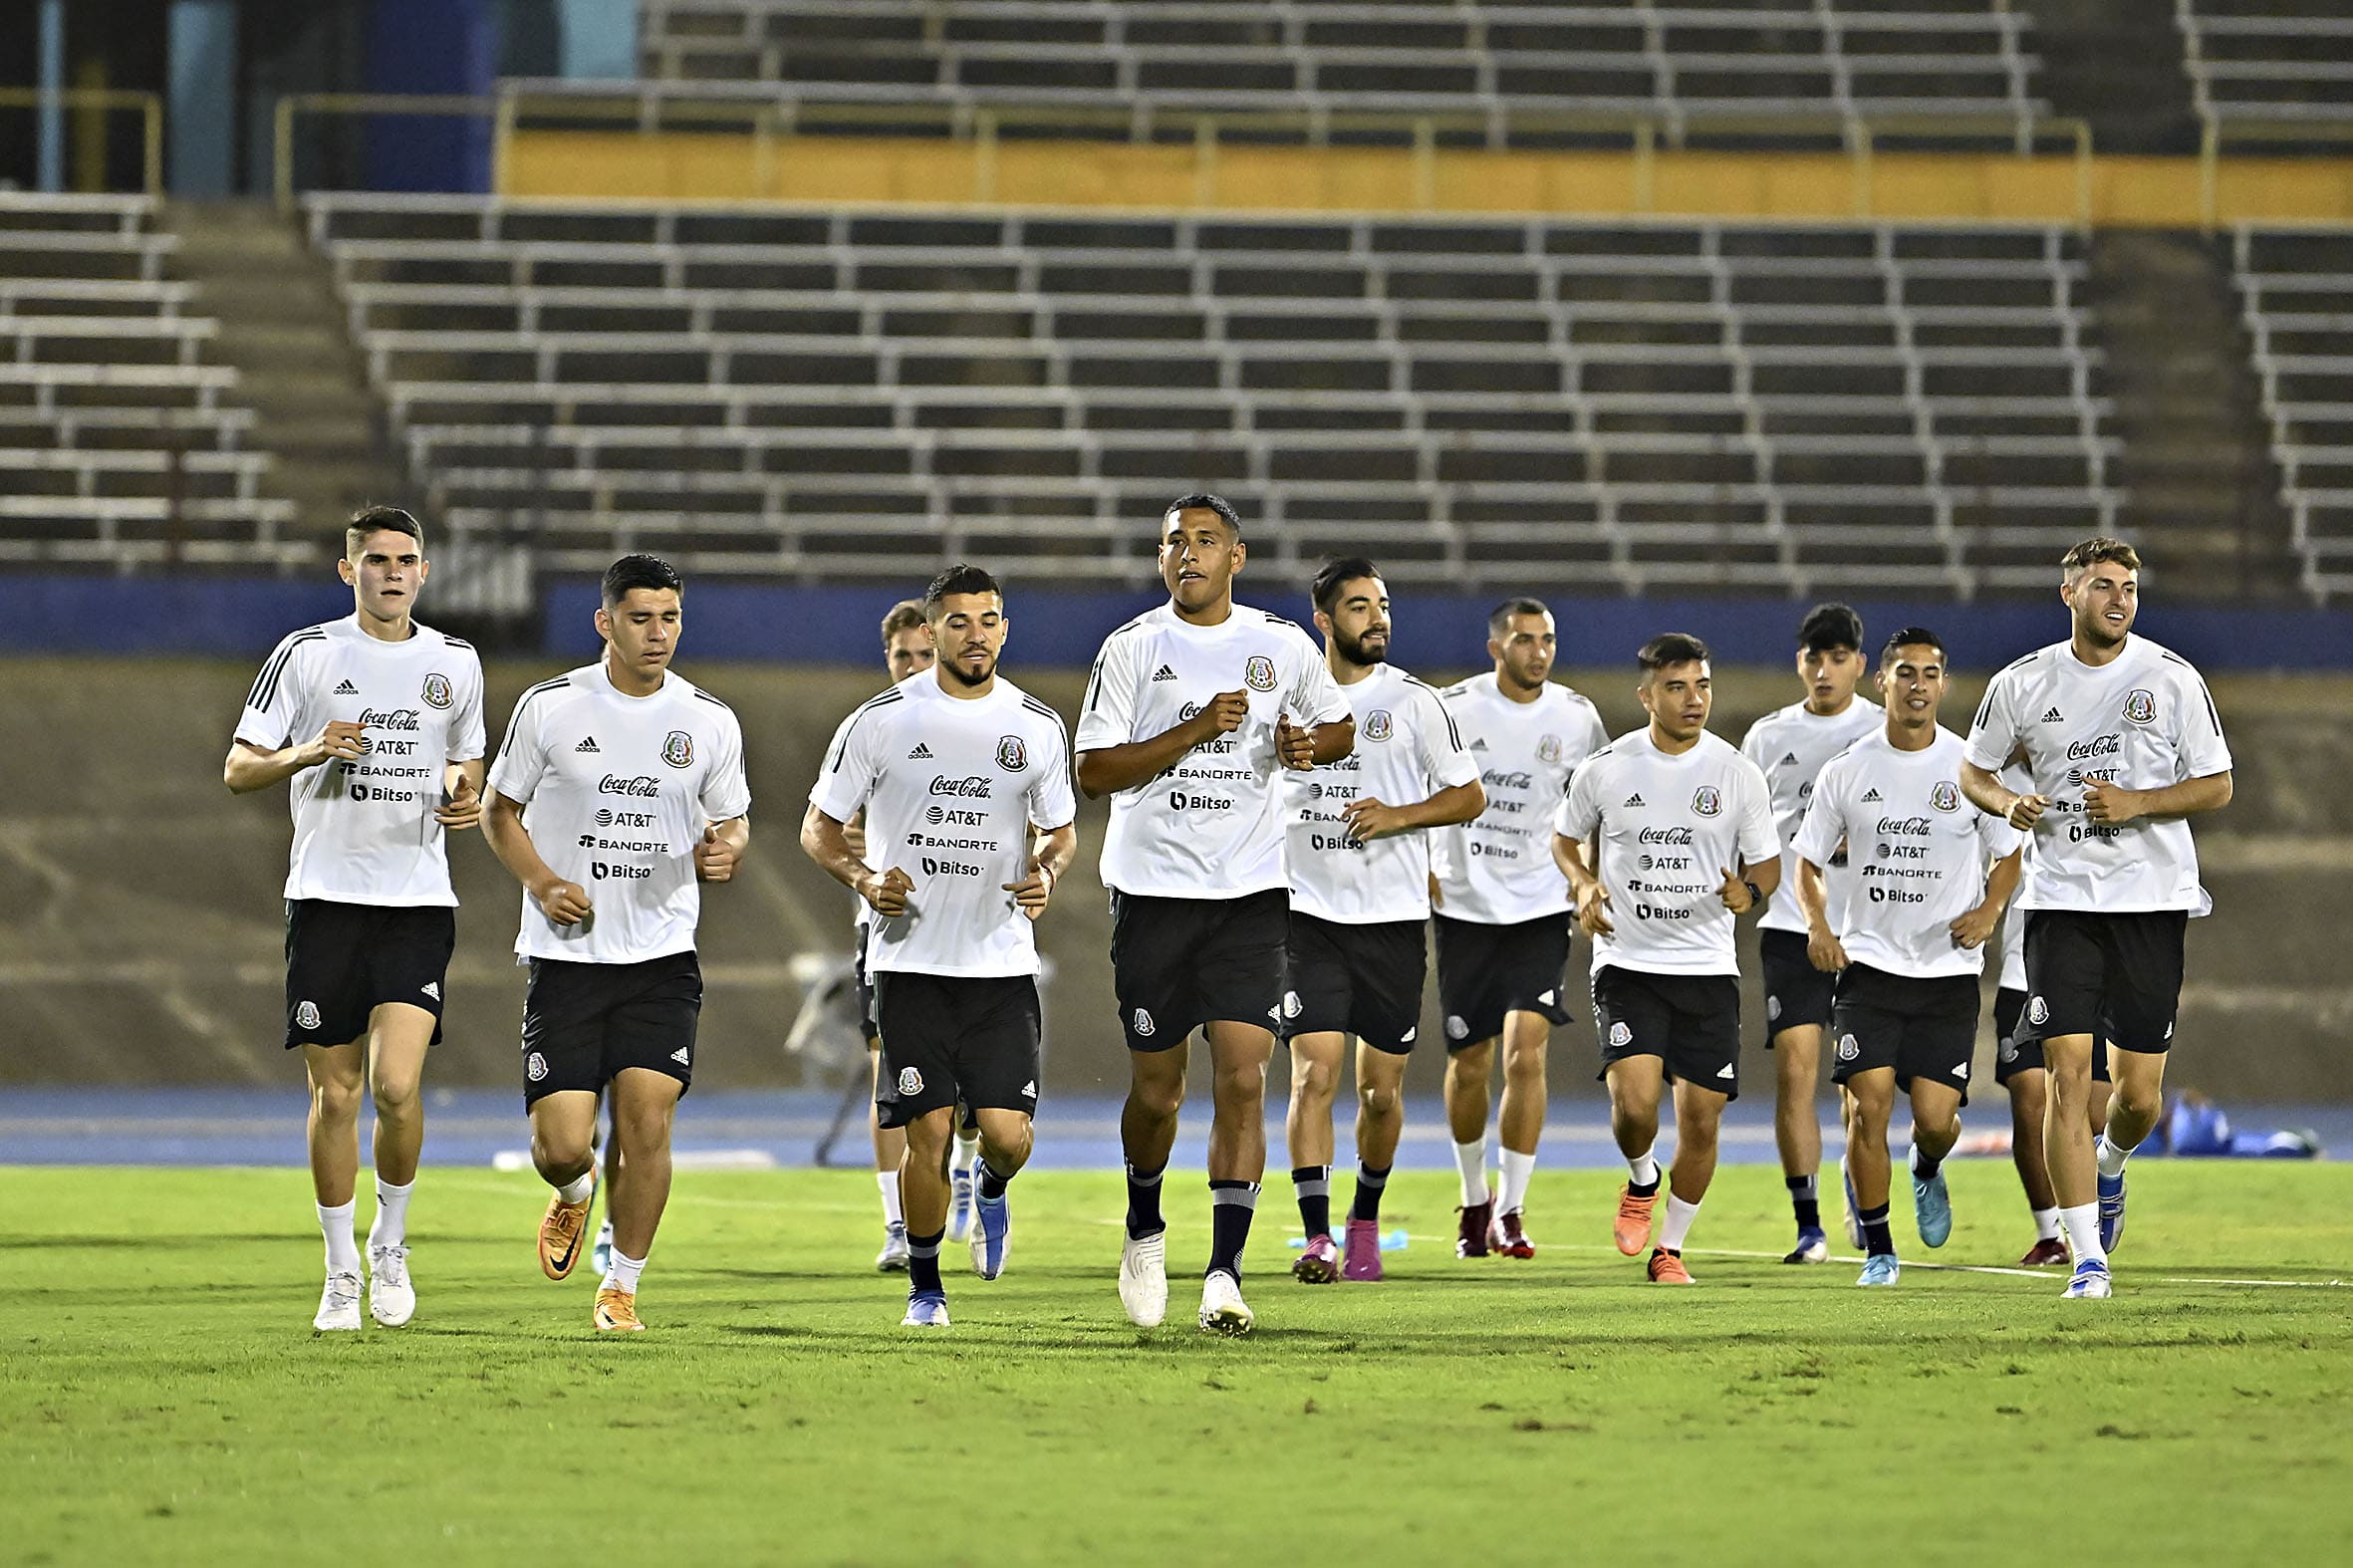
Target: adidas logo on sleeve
x,y
1870,796
586,743
1632,801
1163,673
2054,717
921,754
344,689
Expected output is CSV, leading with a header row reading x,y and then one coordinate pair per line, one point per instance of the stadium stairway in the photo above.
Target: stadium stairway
x,y
2117,64
2196,459
283,331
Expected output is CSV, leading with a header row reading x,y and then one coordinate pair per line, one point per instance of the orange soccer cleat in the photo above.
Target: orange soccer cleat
x,y
617,1310
1632,1229
1666,1269
560,1232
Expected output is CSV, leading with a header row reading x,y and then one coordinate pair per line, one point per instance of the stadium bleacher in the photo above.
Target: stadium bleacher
x,y
119,446
1145,60
1626,407
2268,61
2295,286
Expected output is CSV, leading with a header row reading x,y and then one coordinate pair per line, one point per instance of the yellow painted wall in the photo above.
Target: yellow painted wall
x,y
2108,190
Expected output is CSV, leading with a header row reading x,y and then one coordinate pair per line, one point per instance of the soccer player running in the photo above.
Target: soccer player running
x,y
2018,1069
1192,711
1790,746
1666,837
1931,878
1356,841
1503,916
968,810
619,786
2122,745
378,722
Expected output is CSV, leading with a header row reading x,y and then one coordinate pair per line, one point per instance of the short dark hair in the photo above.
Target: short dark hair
x,y
962,577
2095,550
1499,617
904,616
1830,626
1337,573
1671,648
1909,637
375,519
640,571
1204,501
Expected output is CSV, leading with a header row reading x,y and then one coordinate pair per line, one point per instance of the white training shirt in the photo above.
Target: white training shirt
x,y
364,831
1659,831
1919,849
619,791
1497,869
2014,918
1209,826
952,789
2146,720
1407,749
1790,746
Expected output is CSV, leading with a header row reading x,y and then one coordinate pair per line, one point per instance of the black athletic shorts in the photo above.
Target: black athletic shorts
x,y
1485,971
2121,975
1923,1028
583,1022
1364,980
950,1038
343,960
2017,1049
1178,963
1691,1022
1796,994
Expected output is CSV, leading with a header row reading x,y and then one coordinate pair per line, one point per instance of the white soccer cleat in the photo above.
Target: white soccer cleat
x,y
339,1305
1222,1309
392,1296
1144,1279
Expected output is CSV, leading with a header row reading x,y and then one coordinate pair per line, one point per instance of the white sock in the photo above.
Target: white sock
x,y
968,1152
1679,1215
343,1251
1518,1168
2111,1158
2046,1223
579,1188
1643,1170
623,1275
1471,1160
887,1181
390,1227
2083,1231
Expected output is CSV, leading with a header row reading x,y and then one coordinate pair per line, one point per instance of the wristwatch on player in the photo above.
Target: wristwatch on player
x,y
1755,894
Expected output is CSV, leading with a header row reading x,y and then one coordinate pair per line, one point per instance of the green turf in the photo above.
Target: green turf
x,y
163,1400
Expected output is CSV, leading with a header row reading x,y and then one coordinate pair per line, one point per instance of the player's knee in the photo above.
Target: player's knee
x,y
1242,1082
1523,1067
2140,1103
1697,1134
337,1098
396,1096
1159,1100
1376,1100
1313,1079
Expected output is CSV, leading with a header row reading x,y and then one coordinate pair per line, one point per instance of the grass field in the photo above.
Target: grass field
x,y
163,1400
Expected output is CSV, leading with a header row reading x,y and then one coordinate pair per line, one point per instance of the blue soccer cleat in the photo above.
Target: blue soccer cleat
x,y
959,1204
1880,1268
1813,1247
926,1309
1931,1210
2111,1191
600,1256
992,1237
2089,1282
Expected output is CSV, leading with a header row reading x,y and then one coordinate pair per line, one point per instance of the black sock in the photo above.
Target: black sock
x,y
992,1185
1315,1198
1231,1204
1804,1197
1144,1203
923,1263
1877,1237
1923,1167
1369,1185
1647,1188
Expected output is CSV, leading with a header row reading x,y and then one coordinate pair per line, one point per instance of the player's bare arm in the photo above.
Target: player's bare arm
x,y
1823,948
720,848
1592,899
2105,801
1315,746
249,768
1751,887
1368,819
1972,928
461,796
826,841
1050,854
563,902
1996,799
1109,769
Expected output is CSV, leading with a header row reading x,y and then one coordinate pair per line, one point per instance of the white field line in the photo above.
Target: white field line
x,y
2045,1274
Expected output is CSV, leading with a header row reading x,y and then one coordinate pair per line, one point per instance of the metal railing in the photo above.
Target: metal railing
x,y
495,109
148,106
